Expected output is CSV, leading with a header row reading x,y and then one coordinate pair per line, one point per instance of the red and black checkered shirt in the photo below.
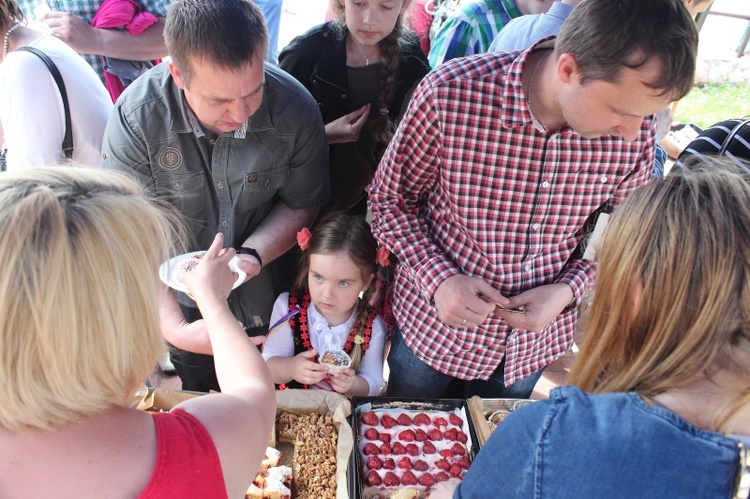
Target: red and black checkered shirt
x,y
468,185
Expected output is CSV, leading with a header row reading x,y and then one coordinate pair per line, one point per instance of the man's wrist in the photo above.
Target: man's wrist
x,y
245,250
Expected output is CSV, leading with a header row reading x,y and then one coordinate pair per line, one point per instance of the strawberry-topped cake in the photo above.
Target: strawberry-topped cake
x,y
411,449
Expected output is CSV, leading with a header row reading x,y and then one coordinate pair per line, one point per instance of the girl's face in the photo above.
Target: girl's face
x,y
369,21
335,282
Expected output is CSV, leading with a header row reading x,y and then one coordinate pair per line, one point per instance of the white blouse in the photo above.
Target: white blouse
x,y
323,337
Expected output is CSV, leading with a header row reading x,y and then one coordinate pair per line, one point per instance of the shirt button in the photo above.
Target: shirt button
x,y
604,180
105,155
220,185
343,96
224,223
545,184
536,226
212,142
527,268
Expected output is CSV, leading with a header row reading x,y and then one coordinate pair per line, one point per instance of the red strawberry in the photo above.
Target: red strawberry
x,y
428,448
385,438
412,449
398,449
404,463
442,477
420,465
461,437
440,421
435,434
446,453
455,470
391,480
420,435
422,419
373,480
387,421
458,450
370,418
427,480
455,419
389,464
443,464
371,434
385,449
464,462
408,478
371,450
405,420
406,435
450,434
374,463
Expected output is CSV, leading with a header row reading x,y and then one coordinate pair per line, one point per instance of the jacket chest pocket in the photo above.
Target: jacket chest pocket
x,y
185,191
259,187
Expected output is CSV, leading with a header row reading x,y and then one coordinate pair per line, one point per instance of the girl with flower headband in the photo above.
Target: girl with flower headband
x,y
360,67
325,312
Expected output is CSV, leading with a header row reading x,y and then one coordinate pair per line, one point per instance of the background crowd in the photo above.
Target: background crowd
x,y
421,196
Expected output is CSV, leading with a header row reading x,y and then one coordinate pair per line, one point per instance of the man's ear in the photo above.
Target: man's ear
x,y
567,68
177,75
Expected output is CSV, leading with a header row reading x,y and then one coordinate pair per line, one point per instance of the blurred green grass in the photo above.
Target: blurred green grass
x,y
712,103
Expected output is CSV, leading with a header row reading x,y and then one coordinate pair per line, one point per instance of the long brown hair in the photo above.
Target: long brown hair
x,y
390,49
351,234
672,299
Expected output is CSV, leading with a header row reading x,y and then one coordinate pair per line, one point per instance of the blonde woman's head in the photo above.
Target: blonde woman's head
x,y
672,298
79,254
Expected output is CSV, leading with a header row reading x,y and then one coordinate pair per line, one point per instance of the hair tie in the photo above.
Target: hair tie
x,y
383,256
303,238
384,111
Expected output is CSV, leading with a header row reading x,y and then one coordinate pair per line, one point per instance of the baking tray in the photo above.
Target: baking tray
x,y
480,409
355,462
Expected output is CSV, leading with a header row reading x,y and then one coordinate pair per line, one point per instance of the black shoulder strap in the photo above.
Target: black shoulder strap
x,y
67,145
732,135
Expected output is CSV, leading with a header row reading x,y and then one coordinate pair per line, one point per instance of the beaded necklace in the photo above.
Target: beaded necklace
x,y
6,40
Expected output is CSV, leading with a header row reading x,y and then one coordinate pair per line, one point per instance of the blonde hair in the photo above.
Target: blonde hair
x,y
683,244
79,255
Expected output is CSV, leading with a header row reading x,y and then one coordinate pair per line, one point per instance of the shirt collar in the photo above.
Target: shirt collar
x,y
515,109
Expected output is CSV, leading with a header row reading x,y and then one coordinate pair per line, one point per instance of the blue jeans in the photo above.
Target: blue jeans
x,y
411,378
272,12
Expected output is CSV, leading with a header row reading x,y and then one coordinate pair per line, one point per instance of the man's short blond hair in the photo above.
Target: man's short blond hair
x,y
79,256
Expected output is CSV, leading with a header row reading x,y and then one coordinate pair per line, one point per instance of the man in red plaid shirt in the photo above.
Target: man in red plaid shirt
x,y
487,185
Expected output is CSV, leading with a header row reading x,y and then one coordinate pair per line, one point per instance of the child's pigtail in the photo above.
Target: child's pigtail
x,y
390,51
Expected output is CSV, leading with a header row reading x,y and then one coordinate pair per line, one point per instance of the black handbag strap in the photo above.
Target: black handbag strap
x,y
67,145
731,136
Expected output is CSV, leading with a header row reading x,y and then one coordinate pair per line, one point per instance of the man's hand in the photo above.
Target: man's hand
x,y
77,33
348,127
540,306
250,265
464,301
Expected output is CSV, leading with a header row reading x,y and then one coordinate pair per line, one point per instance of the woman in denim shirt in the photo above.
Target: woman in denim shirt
x,y
659,406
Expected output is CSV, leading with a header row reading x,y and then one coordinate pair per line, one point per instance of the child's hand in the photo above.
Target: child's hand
x,y
347,128
211,278
305,370
342,382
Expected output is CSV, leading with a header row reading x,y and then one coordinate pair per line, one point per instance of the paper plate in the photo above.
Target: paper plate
x,y
168,270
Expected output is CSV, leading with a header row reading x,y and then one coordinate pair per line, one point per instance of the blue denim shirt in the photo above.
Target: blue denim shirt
x,y
226,184
576,445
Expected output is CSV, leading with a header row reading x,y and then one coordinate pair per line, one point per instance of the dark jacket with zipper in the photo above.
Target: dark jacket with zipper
x,y
317,59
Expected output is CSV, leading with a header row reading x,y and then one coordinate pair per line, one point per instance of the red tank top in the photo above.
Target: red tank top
x,y
187,464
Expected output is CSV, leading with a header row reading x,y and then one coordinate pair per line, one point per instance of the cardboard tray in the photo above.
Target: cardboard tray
x,y
355,462
480,409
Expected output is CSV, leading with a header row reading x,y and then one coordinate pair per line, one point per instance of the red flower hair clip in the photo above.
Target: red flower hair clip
x,y
382,256
303,238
